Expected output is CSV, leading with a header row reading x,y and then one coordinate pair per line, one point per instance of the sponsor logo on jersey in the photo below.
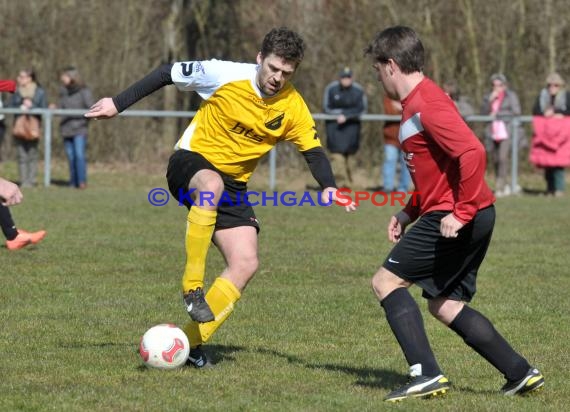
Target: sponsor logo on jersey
x,y
187,68
191,67
276,122
243,130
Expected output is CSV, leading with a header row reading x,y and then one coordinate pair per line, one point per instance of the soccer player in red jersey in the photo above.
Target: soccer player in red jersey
x,y
454,221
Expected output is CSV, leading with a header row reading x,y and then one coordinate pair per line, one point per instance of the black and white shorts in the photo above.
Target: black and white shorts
x,y
234,212
443,267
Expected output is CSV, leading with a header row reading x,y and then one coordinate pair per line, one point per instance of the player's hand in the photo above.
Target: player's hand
x,y
10,193
103,109
329,195
449,226
397,226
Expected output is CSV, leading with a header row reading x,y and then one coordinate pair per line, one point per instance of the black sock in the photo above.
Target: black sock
x,y
7,223
480,334
405,319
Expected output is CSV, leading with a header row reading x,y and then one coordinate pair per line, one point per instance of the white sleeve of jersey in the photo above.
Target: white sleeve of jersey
x,y
206,76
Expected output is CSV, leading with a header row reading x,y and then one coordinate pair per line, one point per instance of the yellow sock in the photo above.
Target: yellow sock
x,y
221,298
199,230
192,331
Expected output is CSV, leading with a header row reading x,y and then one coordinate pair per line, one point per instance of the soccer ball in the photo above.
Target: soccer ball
x,y
164,346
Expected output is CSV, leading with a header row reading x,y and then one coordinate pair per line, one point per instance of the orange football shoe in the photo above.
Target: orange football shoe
x,y
25,238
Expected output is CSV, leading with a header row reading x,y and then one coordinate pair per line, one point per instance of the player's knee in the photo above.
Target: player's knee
x,y
240,272
434,307
246,265
385,282
214,186
444,310
376,283
252,264
207,181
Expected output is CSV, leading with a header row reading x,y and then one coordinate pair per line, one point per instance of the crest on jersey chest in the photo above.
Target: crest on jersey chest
x,y
275,119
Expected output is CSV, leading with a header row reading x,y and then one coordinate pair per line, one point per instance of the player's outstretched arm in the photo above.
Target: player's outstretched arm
x,y
103,109
322,172
329,195
109,107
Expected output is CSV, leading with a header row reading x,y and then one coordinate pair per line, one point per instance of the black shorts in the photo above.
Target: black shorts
x,y
233,211
443,267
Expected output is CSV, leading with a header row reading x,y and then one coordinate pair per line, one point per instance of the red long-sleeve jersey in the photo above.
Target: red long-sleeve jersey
x,y
7,86
446,160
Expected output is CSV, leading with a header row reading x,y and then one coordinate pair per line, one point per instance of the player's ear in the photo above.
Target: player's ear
x,y
259,58
390,67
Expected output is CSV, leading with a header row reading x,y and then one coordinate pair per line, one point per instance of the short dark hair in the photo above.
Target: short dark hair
x,y
284,43
401,44
73,74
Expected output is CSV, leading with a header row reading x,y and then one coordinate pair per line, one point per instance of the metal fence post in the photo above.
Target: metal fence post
x,y
47,120
515,154
272,167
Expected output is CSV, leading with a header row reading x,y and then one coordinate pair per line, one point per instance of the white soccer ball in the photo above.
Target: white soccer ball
x,y
164,346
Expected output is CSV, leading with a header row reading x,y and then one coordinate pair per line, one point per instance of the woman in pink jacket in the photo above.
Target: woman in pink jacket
x,y
551,141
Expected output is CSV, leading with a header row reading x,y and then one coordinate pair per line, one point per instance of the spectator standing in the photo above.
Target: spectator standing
x,y
74,94
550,147
393,155
500,102
28,95
345,99
461,102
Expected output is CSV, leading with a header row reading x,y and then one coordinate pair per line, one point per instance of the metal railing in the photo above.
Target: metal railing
x,y
48,114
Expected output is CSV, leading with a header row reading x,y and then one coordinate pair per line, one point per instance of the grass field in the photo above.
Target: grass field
x,y
308,335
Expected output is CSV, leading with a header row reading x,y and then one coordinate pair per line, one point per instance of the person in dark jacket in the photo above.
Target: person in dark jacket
x,y
74,94
345,99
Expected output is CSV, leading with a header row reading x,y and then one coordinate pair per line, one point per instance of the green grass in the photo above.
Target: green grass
x,y
308,334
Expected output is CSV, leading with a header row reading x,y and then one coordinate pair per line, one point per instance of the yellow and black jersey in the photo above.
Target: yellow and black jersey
x,y
235,124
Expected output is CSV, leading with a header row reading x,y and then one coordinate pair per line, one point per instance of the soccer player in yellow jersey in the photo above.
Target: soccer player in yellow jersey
x,y
246,110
